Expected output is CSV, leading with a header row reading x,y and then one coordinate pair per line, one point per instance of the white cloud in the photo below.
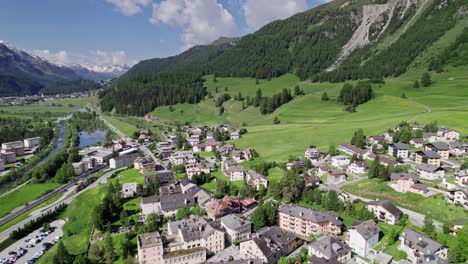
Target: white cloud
x,y
60,57
260,12
129,7
93,57
201,21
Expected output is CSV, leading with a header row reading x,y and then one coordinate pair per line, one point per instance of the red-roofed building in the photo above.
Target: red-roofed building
x,y
222,207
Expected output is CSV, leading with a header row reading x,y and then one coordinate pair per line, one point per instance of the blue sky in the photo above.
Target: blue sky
x,y
103,32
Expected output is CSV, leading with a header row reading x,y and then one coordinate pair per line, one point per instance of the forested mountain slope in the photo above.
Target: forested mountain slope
x,y
338,41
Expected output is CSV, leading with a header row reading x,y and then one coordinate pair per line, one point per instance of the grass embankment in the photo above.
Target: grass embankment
x,y
211,186
23,195
123,126
436,205
26,214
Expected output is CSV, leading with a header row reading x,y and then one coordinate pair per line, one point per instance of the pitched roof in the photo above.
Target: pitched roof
x,y
367,229
419,187
421,242
439,146
399,146
429,153
427,167
406,176
310,214
234,222
330,247
270,240
387,205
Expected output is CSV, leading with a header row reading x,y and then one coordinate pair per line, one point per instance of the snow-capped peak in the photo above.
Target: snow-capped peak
x,y
104,68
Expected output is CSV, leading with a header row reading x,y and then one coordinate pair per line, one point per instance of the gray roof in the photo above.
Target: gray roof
x,y
149,240
255,175
429,153
421,242
234,222
174,201
396,176
271,241
330,247
427,167
243,261
419,186
399,145
197,230
439,146
315,260
387,205
310,214
367,229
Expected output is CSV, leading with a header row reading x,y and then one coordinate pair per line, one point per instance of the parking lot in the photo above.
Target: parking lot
x,y
33,246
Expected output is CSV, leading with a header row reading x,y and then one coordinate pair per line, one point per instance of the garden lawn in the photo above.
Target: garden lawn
x,y
275,174
129,175
24,194
211,186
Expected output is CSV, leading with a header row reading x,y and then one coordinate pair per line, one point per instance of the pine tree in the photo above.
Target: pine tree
x,y
109,248
61,255
416,84
221,110
325,97
426,79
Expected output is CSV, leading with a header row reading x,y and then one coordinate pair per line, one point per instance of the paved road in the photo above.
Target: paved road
x,y
57,232
103,179
24,208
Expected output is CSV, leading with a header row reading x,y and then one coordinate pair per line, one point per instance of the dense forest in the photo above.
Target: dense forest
x,y
86,121
141,94
13,129
356,95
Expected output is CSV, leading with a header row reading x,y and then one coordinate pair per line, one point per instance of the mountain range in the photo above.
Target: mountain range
x,y
24,74
338,41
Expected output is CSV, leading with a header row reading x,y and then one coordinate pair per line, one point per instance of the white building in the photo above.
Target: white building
x,y
448,134
398,150
364,237
385,211
256,180
129,189
418,247
340,161
358,167
237,228
122,161
429,172
458,197
32,142
312,154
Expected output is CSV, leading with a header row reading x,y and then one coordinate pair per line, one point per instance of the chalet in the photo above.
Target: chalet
x,y
442,149
398,150
144,164
448,134
458,196
419,247
340,161
234,135
322,170
363,237
247,154
256,180
118,145
461,177
165,178
182,158
312,154
429,172
226,164
330,249
385,211
225,150
305,222
193,140
312,181
192,171
219,208
417,142
458,149
206,147
351,150
406,182
385,161
389,136
358,167
376,139
428,157
204,167
336,177
417,127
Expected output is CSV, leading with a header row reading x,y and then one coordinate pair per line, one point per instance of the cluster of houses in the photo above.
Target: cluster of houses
x,y
435,157
198,238
11,150
227,227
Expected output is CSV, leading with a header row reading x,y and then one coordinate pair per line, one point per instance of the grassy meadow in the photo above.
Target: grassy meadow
x,y
308,120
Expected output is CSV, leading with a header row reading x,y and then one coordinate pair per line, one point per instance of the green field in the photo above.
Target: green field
x,y
211,186
123,126
307,120
436,206
129,175
23,195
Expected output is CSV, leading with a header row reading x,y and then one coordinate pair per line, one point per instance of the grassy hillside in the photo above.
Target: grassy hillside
x,y
307,120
